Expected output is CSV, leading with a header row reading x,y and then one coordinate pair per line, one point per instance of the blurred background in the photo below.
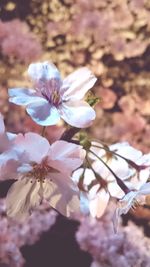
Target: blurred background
x,y
112,38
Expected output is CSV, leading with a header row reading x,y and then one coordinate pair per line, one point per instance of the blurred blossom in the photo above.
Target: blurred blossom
x,y
93,23
107,98
129,247
18,42
127,125
56,98
14,235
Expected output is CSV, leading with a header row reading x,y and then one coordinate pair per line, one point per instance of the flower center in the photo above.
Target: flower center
x,y
55,98
50,90
39,172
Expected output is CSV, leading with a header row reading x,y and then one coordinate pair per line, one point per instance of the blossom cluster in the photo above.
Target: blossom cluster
x,y
50,172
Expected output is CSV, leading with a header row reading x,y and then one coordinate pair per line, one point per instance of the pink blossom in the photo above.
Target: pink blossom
x,y
53,99
45,174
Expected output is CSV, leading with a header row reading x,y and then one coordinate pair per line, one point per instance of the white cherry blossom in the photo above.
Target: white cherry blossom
x,y
53,98
45,174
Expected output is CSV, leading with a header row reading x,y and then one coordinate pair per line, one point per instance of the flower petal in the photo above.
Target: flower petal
x,y
29,142
124,149
79,82
77,113
62,198
115,190
88,176
65,157
21,198
2,126
43,71
21,96
126,202
4,140
84,203
43,113
99,203
145,189
9,162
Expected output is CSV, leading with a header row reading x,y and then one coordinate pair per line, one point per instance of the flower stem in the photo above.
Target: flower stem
x,y
43,131
102,182
68,134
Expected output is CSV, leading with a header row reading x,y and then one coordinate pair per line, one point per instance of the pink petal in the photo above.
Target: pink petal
x,y
34,145
43,113
79,82
65,196
9,162
65,156
77,113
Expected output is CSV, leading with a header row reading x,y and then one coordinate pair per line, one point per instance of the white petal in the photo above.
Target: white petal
x,y
124,149
2,126
21,96
115,190
145,189
21,198
62,197
99,203
11,136
88,176
78,114
4,140
84,203
65,157
79,82
43,70
126,202
43,113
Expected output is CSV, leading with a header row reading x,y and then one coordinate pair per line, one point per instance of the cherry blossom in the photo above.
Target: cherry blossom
x,y
93,200
52,98
9,156
116,156
45,174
